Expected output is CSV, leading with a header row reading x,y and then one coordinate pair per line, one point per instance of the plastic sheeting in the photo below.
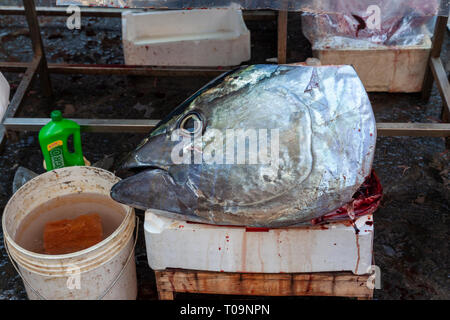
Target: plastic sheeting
x,y
22,176
363,24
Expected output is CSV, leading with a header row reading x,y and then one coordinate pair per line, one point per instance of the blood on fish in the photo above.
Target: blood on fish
x,y
255,229
365,201
361,23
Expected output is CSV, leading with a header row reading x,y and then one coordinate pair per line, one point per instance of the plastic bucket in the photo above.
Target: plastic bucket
x,y
106,270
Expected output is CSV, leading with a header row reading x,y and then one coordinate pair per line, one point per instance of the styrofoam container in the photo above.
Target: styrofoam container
x,y
382,68
332,247
209,37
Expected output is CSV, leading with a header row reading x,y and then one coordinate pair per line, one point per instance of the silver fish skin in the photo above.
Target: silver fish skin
x,y
320,127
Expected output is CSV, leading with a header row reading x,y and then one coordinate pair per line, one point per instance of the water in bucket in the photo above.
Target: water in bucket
x,y
30,232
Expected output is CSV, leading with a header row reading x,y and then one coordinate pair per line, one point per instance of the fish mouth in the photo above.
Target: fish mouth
x,y
154,188
134,190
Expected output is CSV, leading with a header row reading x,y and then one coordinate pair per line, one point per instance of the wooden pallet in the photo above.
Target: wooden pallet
x,y
335,284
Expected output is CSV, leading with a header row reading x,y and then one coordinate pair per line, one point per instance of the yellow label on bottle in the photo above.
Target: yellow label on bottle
x,y
55,144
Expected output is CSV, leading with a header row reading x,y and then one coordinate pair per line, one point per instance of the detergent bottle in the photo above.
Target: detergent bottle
x,y
53,138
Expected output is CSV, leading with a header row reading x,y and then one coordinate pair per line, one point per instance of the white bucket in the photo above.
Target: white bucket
x,y
106,270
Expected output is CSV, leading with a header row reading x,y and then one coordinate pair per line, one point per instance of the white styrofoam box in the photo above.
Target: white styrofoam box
x,y
203,37
333,247
4,95
382,68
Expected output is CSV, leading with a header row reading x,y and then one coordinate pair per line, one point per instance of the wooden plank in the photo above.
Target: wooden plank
x,y
315,284
282,36
165,295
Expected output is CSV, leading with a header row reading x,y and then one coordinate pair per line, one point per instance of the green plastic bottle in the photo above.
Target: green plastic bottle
x,y
53,139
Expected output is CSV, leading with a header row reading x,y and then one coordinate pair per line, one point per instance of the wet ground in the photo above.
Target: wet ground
x,y
411,226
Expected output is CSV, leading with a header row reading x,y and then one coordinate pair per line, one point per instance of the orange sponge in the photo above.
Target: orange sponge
x,y
67,236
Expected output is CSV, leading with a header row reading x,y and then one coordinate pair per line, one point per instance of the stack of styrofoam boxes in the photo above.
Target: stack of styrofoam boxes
x,y
333,247
203,37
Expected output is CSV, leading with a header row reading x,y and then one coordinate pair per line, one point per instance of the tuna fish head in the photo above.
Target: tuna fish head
x,y
265,145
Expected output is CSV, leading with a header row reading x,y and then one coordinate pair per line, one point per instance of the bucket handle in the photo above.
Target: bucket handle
x,y
108,289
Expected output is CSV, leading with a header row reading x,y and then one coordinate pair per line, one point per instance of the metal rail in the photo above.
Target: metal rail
x,y
87,125
117,12
119,69
144,126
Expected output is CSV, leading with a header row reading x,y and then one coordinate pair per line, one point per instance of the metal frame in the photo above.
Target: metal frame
x,y
39,66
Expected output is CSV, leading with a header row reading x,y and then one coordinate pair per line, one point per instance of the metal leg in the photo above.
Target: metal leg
x,y
29,75
16,102
282,36
438,71
438,39
2,137
38,48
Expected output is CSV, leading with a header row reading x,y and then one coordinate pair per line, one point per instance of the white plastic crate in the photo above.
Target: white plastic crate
x,y
208,37
332,247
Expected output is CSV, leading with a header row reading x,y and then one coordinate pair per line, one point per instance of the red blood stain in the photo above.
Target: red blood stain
x,y
361,24
254,229
365,201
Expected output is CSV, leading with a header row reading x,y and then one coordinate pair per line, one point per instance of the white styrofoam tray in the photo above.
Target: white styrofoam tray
x,y
333,247
208,37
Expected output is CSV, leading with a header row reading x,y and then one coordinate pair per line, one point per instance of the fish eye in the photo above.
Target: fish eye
x,y
191,123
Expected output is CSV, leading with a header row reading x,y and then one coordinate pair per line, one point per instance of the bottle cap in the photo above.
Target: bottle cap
x,y
56,115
